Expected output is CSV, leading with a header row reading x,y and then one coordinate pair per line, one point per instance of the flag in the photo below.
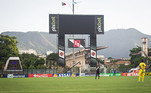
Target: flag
x,y
63,3
75,3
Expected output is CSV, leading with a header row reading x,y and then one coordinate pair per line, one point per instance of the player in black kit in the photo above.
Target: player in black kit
x,y
98,71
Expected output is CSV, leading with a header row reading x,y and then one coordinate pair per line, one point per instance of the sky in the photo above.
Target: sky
x,y
33,15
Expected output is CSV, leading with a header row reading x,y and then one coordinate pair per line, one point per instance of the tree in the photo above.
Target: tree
x,y
2,64
28,61
32,61
31,67
100,61
149,61
123,68
41,67
110,58
40,61
8,48
52,60
136,57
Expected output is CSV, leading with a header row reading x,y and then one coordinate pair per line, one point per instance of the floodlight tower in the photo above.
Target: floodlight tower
x,y
73,34
73,6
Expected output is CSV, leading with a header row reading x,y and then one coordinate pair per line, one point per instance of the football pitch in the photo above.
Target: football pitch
x,y
113,84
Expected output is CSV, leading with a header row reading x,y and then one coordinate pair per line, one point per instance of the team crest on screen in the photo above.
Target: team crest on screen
x,y
53,24
99,24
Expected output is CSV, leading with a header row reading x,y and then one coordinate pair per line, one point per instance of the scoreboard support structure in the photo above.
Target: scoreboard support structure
x,y
62,24
93,50
61,49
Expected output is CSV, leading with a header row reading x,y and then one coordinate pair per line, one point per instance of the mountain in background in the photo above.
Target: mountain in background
x,y
119,41
39,41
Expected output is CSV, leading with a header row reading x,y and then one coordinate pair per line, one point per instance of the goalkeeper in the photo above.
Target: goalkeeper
x,y
141,71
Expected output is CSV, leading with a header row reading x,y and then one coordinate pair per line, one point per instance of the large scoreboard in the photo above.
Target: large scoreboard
x,y
76,24
62,24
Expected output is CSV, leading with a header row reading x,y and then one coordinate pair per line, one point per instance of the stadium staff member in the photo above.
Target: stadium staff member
x,y
142,66
98,71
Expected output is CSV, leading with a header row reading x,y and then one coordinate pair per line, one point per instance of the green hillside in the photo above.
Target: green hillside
x,y
118,41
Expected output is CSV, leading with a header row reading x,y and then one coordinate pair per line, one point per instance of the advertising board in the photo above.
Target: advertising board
x,y
17,75
110,74
64,75
130,74
40,75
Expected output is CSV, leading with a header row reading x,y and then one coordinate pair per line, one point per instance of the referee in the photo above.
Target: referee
x,y
98,71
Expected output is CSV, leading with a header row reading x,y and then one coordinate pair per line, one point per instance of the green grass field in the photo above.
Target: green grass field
x,y
75,85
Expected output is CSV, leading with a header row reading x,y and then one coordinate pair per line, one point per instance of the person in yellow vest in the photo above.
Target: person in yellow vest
x,y
142,67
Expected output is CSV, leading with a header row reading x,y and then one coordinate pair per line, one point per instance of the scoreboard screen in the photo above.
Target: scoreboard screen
x,y
76,43
76,24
